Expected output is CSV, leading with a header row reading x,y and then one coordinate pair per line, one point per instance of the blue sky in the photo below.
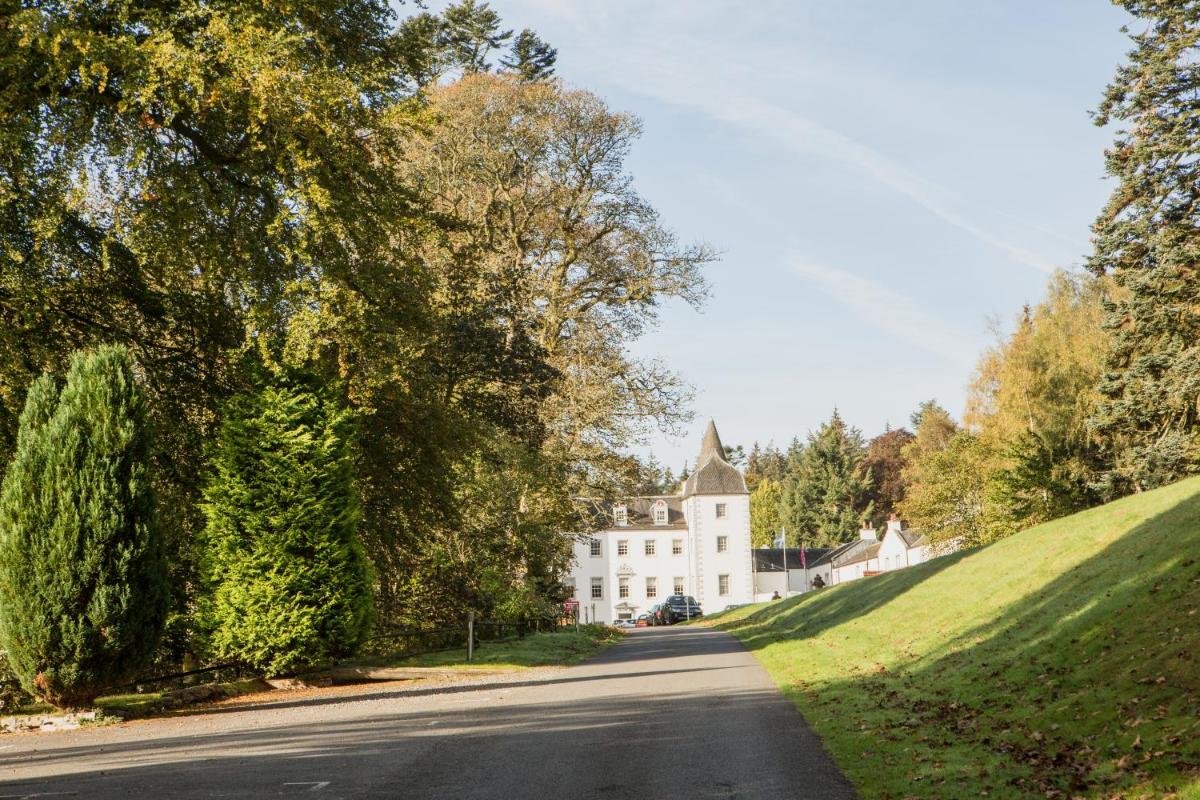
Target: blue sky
x,y
882,178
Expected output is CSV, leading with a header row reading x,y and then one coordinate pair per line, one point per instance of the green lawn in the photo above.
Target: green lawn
x,y
535,650
1061,662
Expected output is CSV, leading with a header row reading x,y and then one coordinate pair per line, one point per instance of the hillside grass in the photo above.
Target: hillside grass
x,y
1060,662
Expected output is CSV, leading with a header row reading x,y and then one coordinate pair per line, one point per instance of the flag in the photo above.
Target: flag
x,y
779,540
803,560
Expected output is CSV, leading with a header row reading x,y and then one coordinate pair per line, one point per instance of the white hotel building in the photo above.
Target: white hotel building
x,y
694,543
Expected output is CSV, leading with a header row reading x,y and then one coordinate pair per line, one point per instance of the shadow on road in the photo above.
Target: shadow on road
x,y
606,729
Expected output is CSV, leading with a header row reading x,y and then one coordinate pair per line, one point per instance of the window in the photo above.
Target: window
x,y
594,544
722,544
677,547
569,584
620,515
660,513
623,547
597,588
722,585
677,588
651,587
622,587
721,511
649,547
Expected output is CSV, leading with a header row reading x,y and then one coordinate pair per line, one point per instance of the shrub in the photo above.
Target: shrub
x,y
286,583
83,587
12,696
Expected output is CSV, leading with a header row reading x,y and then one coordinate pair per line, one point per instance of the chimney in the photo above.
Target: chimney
x,y
867,534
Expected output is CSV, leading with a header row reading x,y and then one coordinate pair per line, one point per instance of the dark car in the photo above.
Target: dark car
x,y
679,607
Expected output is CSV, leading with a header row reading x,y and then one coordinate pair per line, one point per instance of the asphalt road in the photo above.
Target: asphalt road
x,y
667,713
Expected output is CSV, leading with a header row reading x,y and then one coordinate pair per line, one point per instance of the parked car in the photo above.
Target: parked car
x,y
623,623
643,621
679,607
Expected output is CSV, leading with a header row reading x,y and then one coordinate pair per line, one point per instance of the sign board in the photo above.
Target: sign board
x,y
571,606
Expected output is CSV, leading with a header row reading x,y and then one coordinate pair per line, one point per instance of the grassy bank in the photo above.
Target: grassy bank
x,y
1061,662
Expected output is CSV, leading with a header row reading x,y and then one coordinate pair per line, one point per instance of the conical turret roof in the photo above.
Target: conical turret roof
x,y
714,475
711,445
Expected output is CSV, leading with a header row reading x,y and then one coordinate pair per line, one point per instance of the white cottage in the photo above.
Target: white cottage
x,y
695,543
901,547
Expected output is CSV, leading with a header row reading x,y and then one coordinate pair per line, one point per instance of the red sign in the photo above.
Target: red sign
x,y
570,606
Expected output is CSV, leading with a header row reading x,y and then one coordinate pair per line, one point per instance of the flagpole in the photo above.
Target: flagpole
x,y
787,583
804,561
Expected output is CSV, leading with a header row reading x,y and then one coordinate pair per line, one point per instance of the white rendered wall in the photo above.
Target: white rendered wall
x,y
707,563
664,566
700,564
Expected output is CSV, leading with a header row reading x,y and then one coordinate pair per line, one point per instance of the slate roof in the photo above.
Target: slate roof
x,y
854,552
831,554
713,474
911,538
770,559
639,513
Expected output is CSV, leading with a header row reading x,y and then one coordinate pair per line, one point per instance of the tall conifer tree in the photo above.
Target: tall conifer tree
x,y
287,583
83,587
1148,240
827,494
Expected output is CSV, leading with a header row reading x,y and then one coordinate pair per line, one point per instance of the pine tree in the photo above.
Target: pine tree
x,y
286,583
531,58
83,587
470,32
1147,239
827,494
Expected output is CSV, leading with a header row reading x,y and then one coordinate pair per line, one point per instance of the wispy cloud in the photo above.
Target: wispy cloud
x,y
891,312
686,73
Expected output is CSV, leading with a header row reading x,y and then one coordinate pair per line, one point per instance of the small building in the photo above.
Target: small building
x,y
788,571
901,547
696,542
857,559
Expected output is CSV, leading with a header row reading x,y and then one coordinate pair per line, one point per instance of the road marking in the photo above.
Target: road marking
x,y
316,785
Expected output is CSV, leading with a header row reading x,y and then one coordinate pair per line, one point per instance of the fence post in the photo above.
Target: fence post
x,y
470,635
577,620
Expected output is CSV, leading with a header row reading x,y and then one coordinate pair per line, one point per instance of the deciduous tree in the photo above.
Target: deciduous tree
x,y
559,242
884,464
766,512
1032,395
954,497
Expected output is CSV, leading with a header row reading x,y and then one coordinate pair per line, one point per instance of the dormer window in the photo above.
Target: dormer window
x,y
620,516
660,513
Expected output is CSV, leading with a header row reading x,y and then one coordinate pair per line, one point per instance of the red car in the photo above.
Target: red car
x,y
643,621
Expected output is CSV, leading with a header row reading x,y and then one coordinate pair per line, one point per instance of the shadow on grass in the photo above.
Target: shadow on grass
x,y
1086,685
817,611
